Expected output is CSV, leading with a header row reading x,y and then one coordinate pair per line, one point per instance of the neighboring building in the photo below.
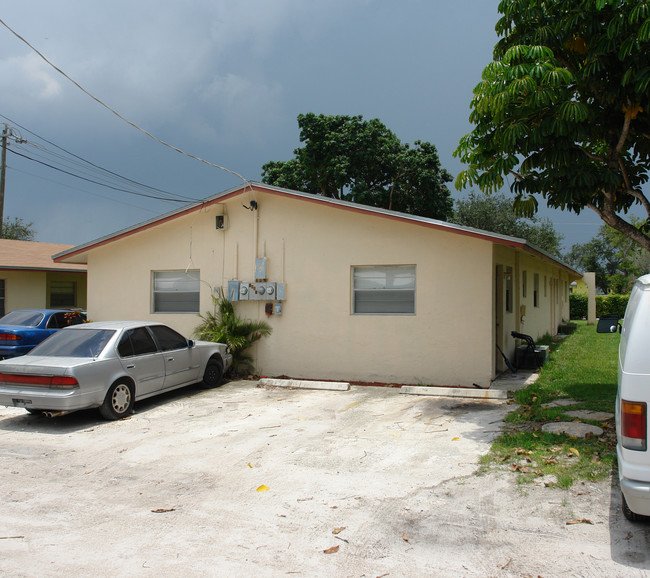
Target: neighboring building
x,y
30,279
579,286
362,294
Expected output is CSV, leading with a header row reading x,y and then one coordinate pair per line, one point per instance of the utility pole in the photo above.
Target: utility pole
x,y
3,170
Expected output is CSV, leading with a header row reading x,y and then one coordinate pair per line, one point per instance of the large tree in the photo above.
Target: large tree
x,y
494,213
563,109
345,157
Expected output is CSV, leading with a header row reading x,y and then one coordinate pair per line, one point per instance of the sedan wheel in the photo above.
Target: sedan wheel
x,y
118,402
213,373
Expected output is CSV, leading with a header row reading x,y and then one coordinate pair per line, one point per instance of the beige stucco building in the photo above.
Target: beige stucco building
x,y
30,279
359,293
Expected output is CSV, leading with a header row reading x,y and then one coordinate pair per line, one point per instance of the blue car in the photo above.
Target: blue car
x,y
24,329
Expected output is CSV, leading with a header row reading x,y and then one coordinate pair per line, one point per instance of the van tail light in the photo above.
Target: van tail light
x,y
634,429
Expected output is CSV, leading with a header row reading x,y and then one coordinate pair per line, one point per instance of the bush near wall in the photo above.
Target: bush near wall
x,y
605,305
578,304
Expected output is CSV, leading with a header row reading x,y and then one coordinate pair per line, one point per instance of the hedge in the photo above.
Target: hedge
x,y
605,305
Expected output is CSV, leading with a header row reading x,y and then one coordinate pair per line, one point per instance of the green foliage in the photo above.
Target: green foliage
x,y
578,305
223,326
345,157
583,369
495,213
17,230
611,304
564,109
616,259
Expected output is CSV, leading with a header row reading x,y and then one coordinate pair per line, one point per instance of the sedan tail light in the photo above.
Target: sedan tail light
x,y
634,429
51,381
9,337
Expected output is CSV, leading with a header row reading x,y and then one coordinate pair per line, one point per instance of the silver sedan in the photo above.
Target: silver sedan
x,y
108,365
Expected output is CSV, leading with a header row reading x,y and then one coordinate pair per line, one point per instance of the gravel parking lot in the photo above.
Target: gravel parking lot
x,y
242,481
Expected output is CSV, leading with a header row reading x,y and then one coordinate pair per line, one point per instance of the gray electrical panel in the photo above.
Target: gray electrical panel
x,y
260,269
233,290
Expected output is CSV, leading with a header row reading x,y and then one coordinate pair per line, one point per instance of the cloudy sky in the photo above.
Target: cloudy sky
x,y
224,81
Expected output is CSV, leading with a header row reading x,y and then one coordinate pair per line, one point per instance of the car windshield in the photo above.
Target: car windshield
x,y
26,318
74,343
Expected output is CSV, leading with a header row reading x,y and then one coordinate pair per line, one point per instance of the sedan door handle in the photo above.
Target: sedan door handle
x,y
170,359
130,366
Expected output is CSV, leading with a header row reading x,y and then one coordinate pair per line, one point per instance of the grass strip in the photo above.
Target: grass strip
x,y
582,369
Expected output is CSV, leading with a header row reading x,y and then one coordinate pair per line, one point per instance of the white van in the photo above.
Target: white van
x,y
632,400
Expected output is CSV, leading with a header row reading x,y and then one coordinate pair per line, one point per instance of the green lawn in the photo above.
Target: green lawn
x,y
582,368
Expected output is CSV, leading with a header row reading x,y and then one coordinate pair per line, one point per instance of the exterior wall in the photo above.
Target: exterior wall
x,y
312,249
528,316
31,289
24,289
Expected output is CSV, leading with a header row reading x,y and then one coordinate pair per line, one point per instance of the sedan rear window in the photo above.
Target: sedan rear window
x,y
24,318
74,343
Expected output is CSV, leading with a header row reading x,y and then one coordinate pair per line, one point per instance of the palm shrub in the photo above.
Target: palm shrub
x,y
223,326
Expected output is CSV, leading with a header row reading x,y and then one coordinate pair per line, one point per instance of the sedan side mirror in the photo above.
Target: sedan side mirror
x,y
190,343
608,324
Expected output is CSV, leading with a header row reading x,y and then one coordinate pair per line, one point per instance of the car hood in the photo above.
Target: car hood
x,y
41,364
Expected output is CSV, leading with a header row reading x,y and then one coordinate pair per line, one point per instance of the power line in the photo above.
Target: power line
x,y
92,193
118,115
40,154
93,181
99,167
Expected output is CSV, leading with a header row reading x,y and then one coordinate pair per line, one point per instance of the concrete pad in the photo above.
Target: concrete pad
x,y
248,481
454,392
304,384
559,403
572,429
514,381
589,414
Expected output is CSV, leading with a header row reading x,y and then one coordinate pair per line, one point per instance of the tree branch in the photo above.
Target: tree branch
x,y
590,155
625,131
609,216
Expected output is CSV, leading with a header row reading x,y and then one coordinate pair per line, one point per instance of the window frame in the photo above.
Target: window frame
x,y
157,294
508,290
62,294
388,269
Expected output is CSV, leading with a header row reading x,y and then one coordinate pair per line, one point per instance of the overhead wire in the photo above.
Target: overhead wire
x,y
88,162
36,153
85,191
91,180
117,114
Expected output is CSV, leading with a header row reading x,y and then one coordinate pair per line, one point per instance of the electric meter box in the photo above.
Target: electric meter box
x,y
233,290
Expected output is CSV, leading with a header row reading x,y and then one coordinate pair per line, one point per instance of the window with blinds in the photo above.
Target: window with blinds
x,y
384,290
176,291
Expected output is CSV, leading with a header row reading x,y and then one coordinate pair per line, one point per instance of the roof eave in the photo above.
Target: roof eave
x,y
79,253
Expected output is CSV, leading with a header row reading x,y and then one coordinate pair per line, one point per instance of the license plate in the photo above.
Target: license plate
x,y
21,402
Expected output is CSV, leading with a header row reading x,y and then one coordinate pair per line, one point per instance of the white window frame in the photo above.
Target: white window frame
x,y
383,289
169,288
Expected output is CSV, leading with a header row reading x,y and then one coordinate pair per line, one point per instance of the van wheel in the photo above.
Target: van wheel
x,y
119,401
630,515
213,373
